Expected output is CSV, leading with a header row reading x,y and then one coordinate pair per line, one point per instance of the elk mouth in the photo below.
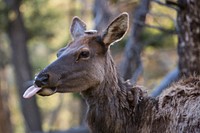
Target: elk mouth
x,y
47,91
42,91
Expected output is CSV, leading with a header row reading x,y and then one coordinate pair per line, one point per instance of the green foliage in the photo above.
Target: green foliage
x,y
3,17
158,39
45,25
4,59
39,20
4,52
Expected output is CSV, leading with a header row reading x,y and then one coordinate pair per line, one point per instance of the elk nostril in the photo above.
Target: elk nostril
x,y
41,80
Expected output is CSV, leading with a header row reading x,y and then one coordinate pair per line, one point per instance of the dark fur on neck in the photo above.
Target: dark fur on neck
x,y
112,105
118,107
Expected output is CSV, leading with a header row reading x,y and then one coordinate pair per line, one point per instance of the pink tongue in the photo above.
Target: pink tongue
x,y
31,91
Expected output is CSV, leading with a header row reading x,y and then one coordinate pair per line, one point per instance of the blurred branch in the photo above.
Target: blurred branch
x,y
83,112
137,73
102,14
156,27
166,5
131,66
55,113
81,129
168,80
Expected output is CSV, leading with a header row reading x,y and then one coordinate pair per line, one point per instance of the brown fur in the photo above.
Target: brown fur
x,y
115,106
118,107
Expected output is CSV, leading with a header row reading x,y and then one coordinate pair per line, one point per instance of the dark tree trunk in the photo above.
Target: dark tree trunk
x,y
131,66
18,43
188,20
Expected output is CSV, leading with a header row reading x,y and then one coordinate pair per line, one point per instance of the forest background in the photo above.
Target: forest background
x,y
31,32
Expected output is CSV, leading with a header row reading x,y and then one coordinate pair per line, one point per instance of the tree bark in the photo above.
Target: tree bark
x,y
131,66
188,21
18,42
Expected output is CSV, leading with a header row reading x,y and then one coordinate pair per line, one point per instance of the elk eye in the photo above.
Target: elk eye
x,y
84,54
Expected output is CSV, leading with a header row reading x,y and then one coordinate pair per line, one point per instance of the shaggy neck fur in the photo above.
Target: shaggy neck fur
x,y
113,104
117,107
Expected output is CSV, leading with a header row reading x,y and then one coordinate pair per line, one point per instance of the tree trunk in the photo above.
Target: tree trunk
x,y
131,66
18,42
188,21
101,13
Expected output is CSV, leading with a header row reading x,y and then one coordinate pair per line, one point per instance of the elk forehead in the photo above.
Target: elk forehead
x,y
92,41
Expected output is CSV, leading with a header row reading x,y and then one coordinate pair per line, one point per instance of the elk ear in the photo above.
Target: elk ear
x,y
116,30
77,27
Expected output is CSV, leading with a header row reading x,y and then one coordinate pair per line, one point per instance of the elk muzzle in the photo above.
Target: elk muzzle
x,y
41,86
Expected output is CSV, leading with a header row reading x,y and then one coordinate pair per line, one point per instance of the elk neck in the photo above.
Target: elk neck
x,y
109,88
112,101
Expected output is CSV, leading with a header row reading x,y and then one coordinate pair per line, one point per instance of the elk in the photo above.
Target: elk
x,y
85,65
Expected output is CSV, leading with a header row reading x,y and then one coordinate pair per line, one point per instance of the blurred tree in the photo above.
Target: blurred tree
x,y
131,66
102,14
18,41
188,20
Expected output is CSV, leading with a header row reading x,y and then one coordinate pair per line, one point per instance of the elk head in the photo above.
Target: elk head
x,y
81,64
